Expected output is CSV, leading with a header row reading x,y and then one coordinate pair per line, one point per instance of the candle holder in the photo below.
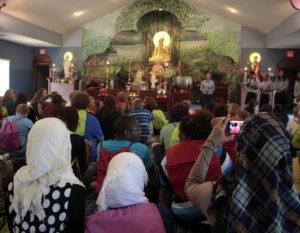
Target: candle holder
x,y
107,67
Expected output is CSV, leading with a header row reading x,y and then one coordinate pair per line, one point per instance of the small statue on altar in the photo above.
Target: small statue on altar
x,y
255,63
138,82
111,83
68,64
161,52
152,80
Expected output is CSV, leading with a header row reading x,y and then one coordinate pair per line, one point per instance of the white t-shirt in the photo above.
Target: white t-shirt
x,y
207,87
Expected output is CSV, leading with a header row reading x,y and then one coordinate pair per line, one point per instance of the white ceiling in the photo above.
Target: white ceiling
x,y
265,16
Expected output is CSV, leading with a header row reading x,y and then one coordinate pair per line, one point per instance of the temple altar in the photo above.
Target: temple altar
x,y
149,59
64,89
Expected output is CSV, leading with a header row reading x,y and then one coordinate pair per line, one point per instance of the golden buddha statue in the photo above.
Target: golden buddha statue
x,y
161,52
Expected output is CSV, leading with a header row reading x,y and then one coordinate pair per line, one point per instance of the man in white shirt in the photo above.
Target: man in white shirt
x,y
207,89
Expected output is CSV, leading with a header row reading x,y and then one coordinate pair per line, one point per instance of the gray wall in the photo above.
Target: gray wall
x,y
252,39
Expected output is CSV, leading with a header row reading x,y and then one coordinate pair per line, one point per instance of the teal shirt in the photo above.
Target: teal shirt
x,y
137,148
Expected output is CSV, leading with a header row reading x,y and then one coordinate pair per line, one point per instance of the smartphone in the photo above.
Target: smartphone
x,y
194,108
234,126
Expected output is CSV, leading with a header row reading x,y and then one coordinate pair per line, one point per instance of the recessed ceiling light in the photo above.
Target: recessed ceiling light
x,y
232,10
78,13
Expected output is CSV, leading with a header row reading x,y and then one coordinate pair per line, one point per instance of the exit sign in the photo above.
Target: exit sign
x,y
290,54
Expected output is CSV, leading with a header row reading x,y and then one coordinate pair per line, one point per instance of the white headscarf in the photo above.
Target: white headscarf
x,y
124,182
48,162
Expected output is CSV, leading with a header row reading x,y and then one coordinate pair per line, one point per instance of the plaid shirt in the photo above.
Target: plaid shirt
x,y
264,199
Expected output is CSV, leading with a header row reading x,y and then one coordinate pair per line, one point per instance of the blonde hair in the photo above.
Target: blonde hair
x,y
138,103
22,109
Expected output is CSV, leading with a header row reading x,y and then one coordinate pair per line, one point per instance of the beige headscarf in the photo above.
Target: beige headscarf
x,y
124,182
48,162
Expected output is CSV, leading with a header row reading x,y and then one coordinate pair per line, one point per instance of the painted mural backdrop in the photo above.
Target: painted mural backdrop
x,y
200,40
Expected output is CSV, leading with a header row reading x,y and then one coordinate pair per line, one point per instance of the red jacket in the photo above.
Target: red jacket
x,y
180,159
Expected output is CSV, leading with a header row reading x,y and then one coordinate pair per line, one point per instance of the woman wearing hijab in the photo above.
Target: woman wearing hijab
x,y
45,195
264,198
122,204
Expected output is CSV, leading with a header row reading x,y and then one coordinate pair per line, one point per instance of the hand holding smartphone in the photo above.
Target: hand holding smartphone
x,y
218,135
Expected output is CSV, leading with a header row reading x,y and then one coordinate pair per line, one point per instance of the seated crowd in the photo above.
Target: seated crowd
x,y
143,170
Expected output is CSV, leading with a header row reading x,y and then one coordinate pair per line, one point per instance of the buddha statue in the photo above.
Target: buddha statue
x,y
161,53
68,64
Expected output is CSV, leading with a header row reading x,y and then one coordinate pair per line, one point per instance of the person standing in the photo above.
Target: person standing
x,y
207,89
281,86
297,90
265,87
251,85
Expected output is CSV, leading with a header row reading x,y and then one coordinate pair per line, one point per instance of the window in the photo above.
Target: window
x,y
4,76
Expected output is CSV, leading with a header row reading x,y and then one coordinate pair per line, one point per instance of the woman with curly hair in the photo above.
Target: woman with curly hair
x,y
8,101
89,127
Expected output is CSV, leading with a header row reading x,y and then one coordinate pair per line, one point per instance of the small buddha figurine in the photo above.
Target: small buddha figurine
x,y
256,66
68,65
161,52
152,80
138,79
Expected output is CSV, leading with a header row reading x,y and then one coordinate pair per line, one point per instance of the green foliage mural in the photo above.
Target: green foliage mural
x,y
191,18
206,41
225,42
97,35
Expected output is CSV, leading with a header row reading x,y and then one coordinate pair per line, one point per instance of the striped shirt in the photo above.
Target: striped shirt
x,y
144,117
